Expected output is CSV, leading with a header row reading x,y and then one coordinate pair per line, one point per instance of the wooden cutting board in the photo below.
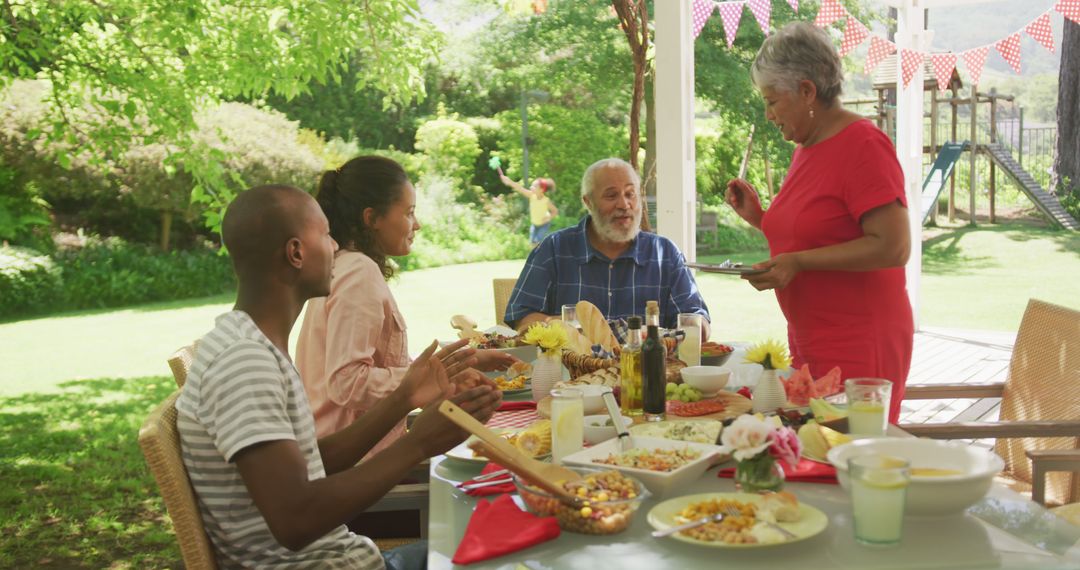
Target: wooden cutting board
x,y
736,406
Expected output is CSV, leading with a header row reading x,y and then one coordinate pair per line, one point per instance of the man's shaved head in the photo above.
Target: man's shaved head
x,y
260,221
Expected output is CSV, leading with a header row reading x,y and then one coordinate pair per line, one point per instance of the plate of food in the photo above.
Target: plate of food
x,y
514,381
534,440
685,430
765,520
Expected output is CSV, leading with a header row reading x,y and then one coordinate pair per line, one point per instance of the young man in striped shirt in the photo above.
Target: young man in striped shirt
x,y
270,493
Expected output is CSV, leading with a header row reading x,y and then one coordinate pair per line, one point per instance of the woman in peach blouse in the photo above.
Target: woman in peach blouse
x,y
353,350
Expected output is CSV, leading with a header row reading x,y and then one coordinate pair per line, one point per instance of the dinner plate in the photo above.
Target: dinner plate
x,y
662,516
464,454
519,391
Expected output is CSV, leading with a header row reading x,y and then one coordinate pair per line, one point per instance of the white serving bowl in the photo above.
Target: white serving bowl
x,y
707,379
929,496
592,396
742,373
658,482
597,430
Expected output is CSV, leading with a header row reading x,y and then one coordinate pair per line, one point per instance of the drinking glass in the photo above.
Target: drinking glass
x,y
878,486
868,405
567,423
569,316
690,347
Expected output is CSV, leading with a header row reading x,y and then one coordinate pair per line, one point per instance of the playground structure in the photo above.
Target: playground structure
x,y
1000,137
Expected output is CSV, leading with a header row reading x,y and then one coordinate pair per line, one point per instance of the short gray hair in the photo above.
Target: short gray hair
x,y
588,179
799,51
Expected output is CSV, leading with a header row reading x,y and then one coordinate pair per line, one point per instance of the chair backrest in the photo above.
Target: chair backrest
x,y
180,362
502,288
1043,384
160,443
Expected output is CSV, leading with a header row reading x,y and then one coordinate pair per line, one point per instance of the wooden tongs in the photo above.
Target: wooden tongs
x,y
547,476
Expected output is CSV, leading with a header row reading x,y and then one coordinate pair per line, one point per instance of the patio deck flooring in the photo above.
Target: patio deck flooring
x,y
944,356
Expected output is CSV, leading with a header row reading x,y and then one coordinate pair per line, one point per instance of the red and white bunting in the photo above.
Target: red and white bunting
x,y
1042,32
830,11
731,13
762,11
854,34
944,64
1009,48
1070,9
879,50
794,5
910,62
974,59
699,14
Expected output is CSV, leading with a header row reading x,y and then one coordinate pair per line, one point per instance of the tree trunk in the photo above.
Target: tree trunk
x,y
648,175
1067,161
166,229
634,21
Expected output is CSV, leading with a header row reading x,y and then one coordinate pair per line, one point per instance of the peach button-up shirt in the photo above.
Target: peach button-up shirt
x,y
352,351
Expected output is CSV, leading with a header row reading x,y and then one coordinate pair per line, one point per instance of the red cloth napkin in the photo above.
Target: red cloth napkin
x,y
806,471
491,467
499,528
516,406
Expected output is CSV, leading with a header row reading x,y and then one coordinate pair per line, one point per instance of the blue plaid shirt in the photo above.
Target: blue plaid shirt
x,y
565,269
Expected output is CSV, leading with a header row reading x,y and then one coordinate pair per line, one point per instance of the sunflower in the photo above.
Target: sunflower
x,y
549,339
771,354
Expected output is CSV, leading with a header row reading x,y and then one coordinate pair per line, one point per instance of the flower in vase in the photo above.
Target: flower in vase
x,y
785,445
550,339
770,354
746,437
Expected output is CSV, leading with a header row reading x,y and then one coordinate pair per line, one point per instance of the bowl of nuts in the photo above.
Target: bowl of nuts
x,y
608,501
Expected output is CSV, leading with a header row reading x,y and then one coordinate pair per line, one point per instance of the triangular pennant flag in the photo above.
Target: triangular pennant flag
x,y
762,11
794,4
1009,48
1042,32
910,61
854,34
830,11
1070,9
731,13
943,63
699,14
974,59
879,49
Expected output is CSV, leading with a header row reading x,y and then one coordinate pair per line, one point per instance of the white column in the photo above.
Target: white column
x,y
674,92
909,136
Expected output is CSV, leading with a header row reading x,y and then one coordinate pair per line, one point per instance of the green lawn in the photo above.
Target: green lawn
x,y
74,388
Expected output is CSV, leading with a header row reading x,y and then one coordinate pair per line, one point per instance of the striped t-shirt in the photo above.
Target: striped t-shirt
x,y
241,390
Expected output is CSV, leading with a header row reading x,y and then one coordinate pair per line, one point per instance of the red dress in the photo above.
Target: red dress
x,y
859,321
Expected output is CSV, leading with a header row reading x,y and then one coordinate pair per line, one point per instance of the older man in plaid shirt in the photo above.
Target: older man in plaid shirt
x,y
606,260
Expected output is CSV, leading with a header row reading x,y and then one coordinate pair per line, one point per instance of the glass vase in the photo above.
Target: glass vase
x,y
547,370
759,473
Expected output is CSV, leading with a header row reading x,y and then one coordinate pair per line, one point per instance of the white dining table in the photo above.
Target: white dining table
x,y
1004,530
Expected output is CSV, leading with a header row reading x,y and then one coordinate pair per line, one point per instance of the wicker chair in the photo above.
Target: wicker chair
x,y
503,288
1038,434
180,362
160,443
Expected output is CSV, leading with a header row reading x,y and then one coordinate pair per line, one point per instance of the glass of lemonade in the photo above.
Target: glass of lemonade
x,y
567,423
878,488
690,347
868,405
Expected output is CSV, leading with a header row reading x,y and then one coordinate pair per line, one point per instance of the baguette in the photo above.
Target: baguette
x,y
595,326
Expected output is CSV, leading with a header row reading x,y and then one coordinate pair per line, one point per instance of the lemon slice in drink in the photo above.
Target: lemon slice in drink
x,y
884,479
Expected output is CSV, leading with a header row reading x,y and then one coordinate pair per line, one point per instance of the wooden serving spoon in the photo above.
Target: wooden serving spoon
x,y
547,476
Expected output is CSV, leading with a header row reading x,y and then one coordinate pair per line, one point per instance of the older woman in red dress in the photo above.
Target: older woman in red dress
x,y
838,229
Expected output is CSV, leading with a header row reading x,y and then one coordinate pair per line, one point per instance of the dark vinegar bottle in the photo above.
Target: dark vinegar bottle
x,y
653,355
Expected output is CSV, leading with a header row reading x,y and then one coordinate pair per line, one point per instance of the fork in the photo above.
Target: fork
x,y
692,524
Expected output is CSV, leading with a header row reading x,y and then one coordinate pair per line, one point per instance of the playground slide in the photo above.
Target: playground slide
x,y
939,175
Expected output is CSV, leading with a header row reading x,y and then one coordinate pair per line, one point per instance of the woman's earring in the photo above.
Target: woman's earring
x,y
811,112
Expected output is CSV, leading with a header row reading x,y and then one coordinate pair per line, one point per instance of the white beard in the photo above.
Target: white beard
x,y
609,232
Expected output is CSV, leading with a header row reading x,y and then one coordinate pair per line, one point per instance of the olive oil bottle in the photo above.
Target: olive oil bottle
x,y
653,355
630,370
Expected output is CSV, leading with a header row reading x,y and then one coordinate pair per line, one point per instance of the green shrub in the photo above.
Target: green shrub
x,y
453,232
451,147
30,282
24,216
112,273
1069,194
